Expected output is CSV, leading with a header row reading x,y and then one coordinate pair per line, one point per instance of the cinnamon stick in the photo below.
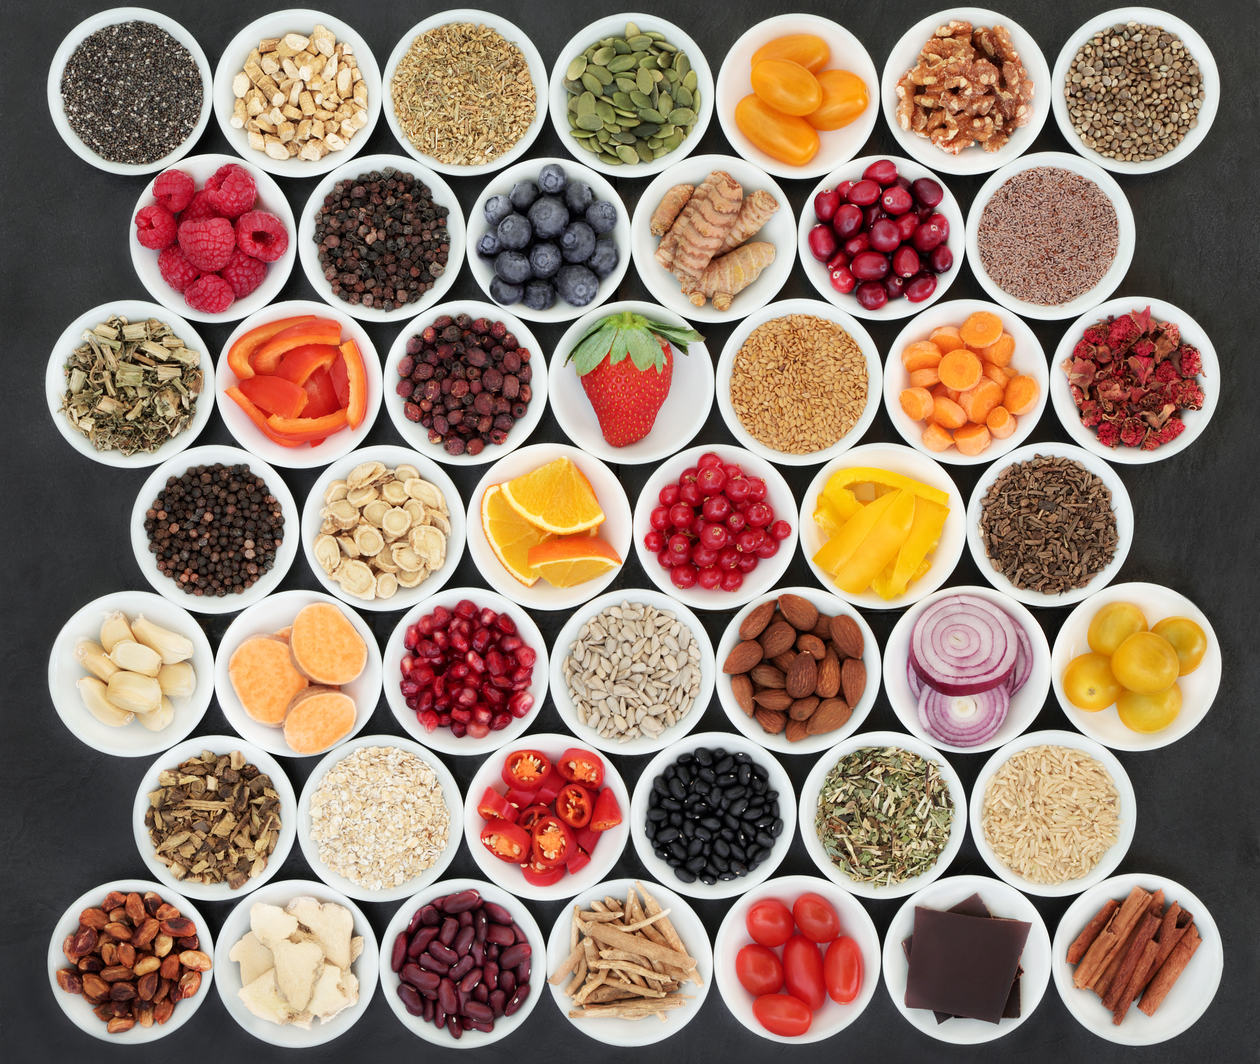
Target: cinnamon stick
x,y
1111,938
1170,971
1154,908
1176,923
1118,979
1141,972
1085,939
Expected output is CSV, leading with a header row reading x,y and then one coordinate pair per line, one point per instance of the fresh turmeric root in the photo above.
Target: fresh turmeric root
x,y
725,277
669,208
754,212
701,226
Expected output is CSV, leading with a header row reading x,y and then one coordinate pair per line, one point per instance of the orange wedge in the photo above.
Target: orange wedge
x,y
511,537
572,560
556,498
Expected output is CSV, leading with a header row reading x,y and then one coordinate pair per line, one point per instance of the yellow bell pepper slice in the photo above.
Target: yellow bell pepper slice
x,y
840,499
841,547
842,478
911,561
881,545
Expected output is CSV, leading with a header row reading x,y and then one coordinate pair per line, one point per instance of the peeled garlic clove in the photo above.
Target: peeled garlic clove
x,y
133,692
136,657
172,646
93,658
95,697
114,629
177,680
160,717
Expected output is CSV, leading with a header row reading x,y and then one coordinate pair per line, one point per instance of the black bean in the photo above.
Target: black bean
x,y
704,757
765,840
684,876
723,765
666,834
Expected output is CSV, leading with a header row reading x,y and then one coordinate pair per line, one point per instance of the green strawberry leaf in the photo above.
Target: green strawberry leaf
x,y
645,351
628,334
593,347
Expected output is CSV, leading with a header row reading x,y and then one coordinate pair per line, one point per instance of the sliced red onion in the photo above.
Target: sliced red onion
x,y
963,645
1023,661
913,679
963,720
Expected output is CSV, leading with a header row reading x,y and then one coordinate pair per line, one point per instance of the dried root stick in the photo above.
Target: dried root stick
x,y
702,225
669,208
726,277
754,212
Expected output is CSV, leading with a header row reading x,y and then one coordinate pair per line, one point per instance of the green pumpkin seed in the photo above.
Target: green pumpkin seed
x,y
620,46
682,116
591,145
582,134
628,113
682,64
592,83
626,83
603,56
638,41
645,153
664,103
632,30
627,154
645,80
667,129
574,87
690,80
649,114
673,140
612,160
624,138
620,64
682,96
589,121
586,103
621,99
577,67
646,129
640,99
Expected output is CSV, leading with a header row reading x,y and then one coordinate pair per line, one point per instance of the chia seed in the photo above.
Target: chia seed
x,y
132,93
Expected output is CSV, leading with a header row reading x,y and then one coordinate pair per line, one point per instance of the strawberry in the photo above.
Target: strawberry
x,y
626,364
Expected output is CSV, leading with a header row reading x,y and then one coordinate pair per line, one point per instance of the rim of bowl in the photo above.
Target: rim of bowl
x,y
71,42
1110,859
1121,505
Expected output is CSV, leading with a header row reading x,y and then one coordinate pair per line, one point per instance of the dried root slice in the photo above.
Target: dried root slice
x,y
95,697
173,647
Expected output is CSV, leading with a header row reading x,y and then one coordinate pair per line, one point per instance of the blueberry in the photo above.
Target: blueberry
x,y
539,295
576,285
551,180
505,294
523,194
577,242
488,246
545,259
548,215
515,232
513,267
601,216
604,258
578,196
497,208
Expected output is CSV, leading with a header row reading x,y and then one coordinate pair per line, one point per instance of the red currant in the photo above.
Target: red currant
x,y
710,578
708,460
728,558
681,516
759,514
689,493
756,489
737,489
666,559
710,480
683,576
768,549
702,557
654,541
732,580
659,518
669,495
714,536
747,563
716,508
780,530
750,539
679,545
737,522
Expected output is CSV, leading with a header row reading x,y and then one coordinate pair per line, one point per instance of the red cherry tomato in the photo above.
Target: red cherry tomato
x,y
842,970
769,923
803,971
783,1015
816,917
759,970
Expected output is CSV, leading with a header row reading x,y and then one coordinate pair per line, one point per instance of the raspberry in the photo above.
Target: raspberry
x,y
243,273
210,294
200,207
261,235
176,270
207,243
174,190
155,227
232,190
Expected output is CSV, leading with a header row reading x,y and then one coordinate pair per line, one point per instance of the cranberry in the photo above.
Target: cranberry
x,y
895,286
842,280
837,260
668,495
659,518
940,259
906,225
710,578
873,214
654,540
871,295
825,204
896,200
928,192
716,508
905,262
714,536
822,242
848,220
855,245
710,481
885,235
780,530
842,190
681,516
737,489
920,287
870,266
931,233
684,576
732,580
882,170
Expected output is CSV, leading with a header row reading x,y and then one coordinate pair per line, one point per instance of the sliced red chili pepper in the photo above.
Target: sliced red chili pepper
x,y
586,838
607,813
543,877
519,798
525,769
530,815
508,842
552,842
550,787
581,766
494,806
574,805
578,860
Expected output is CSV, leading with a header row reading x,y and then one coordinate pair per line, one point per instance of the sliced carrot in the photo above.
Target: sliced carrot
x,y
318,718
936,438
980,329
978,400
922,354
1001,423
1021,396
997,374
326,647
917,403
264,678
971,439
946,338
960,369
948,414
924,378
1000,352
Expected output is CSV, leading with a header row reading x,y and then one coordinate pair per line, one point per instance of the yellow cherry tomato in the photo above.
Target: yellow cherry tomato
x,y
1149,712
1145,663
1187,639
1112,625
1089,683
786,86
844,97
787,138
807,49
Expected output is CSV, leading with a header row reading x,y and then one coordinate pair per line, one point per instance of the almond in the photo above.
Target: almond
x,y
784,661
852,680
828,683
770,721
802,677
774,698
800,613
832,713
743,656
823,628
776,639
811,645
755,623
764,675
796,730
847,637
742,691
803,708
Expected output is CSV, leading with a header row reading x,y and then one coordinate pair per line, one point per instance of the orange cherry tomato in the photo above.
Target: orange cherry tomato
x,y
786,86
787,138
807,49
844,97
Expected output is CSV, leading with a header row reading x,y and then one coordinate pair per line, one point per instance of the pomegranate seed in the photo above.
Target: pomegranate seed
x,y
520,704
521,676
486,617
461,715
466,609
411,637
459,642
482,715
510,643
477,730
475,661
425,626
505,624
526,657
441,616
500,721
494,696
496,663
458,729
428,720
409,688
481,640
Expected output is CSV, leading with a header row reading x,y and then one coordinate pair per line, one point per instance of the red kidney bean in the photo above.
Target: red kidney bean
x,y
463,941
439,1015
513,955
475,1010
496,913
522,972
490,974
432,964
492,951
458,903
516,1000
472,978
419,978
462,966
481,1025
429,916
496,1000
429,1006
420,941
453,1025
410,999
450,928
480,992
465,919
399,955
447,997
479,926
414,922
478,951
507,981
443,953
500,934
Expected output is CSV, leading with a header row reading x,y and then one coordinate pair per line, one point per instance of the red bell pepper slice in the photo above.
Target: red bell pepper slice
x,y
578,860
321,398
552,842
543,877
550,787
315,331
586,838
494,806
274,395
574,805
508,842
581,766
340,381
530,815
258,418
525,769
242,350
309,429
299,363
607,812
356,381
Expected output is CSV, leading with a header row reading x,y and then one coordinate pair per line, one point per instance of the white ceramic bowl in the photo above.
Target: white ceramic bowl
x,y
894,458
681,416
812,788
248,435
1004,903
974,159
76,1007
1026,703
391,456
311,848
264,618
1126,238
836,146
1121,505
1029,359
615,25
66,49
663,285
504,1026
615,529
442,740
417,436
1198,688
213,454
1197,48
277,24
365,967
1195,420
608,848
173,758
562,695
812,744
133,740
732,936
1128,812
894,309
350,170
510,32
145,261
1191,994
648,1030
772,312
769,570
528,170
778,780
72,337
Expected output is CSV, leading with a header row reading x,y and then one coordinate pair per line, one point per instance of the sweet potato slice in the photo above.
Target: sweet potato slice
x,y
264,678
326,647
319,717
